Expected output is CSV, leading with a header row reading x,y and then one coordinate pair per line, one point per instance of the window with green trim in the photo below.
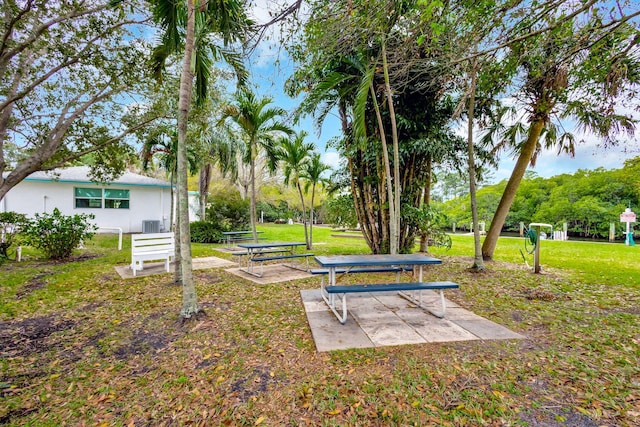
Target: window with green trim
x,y
88,197
116,199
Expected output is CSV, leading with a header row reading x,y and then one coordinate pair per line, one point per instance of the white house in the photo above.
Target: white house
x,y
133,202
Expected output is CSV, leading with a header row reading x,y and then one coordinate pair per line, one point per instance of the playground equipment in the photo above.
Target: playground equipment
x,y
532,242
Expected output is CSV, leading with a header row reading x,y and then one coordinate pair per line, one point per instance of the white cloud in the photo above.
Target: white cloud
x,y
333,159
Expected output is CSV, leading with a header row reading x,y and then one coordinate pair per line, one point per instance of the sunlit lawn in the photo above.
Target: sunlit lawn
x,y
79,345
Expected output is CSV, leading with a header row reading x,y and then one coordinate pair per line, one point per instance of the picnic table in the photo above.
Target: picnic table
x,y
348,264
258,253
238,236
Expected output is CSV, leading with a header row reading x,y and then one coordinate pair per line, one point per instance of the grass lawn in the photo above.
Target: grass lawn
x,y
81,346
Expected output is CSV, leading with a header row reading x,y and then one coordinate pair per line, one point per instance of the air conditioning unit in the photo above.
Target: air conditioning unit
x,y
151,226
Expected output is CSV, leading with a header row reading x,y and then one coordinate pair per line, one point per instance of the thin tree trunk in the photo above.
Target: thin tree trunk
x,y
387,171
304,214
205,179
177,274
490,241
252,179
478,265
189,298
177,261
426,201
311,215
395,219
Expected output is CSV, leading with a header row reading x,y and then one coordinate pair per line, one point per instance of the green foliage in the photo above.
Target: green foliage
x,y
269,212
228,211
206,232
11,224
588,201
58,235
340,211
75,61
429,222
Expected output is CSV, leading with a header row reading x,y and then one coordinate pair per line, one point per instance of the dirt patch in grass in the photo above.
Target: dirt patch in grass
x,y
36,282
256,381
137,336
206,277
32,335
142,341
555,415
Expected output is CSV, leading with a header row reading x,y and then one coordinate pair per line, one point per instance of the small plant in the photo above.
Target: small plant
x,y
205,232
58,235
429,223
11,224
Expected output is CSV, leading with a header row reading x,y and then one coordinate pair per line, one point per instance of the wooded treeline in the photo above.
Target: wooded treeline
x,y
588,201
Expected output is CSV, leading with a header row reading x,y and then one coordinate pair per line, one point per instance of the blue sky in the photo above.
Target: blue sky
x,y
270,79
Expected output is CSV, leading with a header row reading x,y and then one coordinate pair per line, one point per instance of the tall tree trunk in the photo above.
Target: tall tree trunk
x,y
489,245
395,219
174,195
426,200
252,179
304,214
478,265
189,299
177,261
311,215
177,258
387,171
205,179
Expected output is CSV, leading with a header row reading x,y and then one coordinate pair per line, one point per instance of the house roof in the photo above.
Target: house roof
x,y
80,174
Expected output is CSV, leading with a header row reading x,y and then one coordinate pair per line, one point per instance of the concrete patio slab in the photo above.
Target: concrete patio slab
x,y
385,319
273,273
328,337
151,268
233,250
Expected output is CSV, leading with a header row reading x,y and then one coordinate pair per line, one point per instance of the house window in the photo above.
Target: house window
x,y
116,199
88,197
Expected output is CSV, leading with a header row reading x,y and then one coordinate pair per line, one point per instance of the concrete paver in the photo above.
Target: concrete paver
x,y
151,268
326,336
272,273
384,319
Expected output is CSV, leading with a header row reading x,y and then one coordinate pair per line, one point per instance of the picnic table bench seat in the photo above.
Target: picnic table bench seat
x,y
289,256
278,257
342,291
398,286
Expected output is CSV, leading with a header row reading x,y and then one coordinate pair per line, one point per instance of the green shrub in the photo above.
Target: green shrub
x,y
341,212
58,235
267,211
228,211
205,232
11,224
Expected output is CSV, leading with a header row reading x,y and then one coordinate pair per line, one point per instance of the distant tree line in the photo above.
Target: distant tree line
x,y
588,201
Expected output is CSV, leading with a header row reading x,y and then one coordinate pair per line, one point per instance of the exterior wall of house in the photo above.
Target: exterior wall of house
x,y
149,202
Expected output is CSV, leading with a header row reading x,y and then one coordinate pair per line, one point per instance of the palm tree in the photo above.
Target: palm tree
x,y
221,150
260,126
313,175
162,143
294,153
557,68
188,30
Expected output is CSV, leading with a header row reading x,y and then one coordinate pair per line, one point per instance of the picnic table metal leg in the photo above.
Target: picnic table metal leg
x,y
330,300
418,302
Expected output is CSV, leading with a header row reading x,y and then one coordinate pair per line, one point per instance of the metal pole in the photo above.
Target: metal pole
x,y
536,254
626,241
